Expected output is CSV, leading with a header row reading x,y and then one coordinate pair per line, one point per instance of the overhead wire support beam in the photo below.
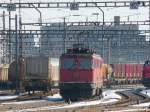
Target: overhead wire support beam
x,y
67,4
93,23
106,32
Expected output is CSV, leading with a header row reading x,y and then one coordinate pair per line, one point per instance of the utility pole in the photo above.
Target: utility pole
x,y
109,49
149,28
20,59
4,20
16,56
64,35
9,38
4,38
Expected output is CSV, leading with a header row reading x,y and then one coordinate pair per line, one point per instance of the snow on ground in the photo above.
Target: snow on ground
x,y
111,94
144,105
131,110
109,97
146,92
55,97
24,102
8,97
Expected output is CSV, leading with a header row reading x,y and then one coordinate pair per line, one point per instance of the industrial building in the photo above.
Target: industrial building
x,y
116,43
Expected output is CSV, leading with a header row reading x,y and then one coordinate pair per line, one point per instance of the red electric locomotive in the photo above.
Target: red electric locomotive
x,y
80,74
146,74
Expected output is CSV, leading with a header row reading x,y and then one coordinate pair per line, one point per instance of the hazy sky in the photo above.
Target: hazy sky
x,y
51,15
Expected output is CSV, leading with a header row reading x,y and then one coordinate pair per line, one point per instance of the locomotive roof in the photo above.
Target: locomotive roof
x,y
81,51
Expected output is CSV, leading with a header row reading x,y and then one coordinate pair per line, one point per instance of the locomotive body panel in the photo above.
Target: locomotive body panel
x,y
80,75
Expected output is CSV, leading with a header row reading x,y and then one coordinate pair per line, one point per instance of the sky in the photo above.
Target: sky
x,y
53,15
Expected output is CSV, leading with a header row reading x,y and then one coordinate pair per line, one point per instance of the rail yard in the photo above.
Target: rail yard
x,y
74,56
113,100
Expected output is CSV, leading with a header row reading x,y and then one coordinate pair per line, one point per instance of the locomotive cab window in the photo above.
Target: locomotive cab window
x,y
147,63
68,63
85,64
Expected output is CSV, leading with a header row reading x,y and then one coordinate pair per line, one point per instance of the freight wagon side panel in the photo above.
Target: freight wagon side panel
x,y
134,71
137,71
127,71
140,71
104,71
119,71
36,68
53,71
123,70
115,71
4,73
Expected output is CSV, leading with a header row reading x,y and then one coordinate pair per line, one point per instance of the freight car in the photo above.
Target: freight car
x,y
4,83
107,72
80,74
146,74
127,73
12,76
41,73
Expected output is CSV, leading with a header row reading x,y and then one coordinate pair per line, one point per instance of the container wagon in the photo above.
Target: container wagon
x,y
12,76
41,73
106,72
127,73
4,83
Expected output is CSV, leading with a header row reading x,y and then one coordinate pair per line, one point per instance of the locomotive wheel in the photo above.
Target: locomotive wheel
x,y
68,101
97,92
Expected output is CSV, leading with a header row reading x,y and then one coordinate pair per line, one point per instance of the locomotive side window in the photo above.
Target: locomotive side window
x,y
85,64
68,63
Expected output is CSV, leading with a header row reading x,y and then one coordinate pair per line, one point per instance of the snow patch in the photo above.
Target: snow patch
x,y
8,97
55,97
146,92
24,102
144,105
111,94
130,110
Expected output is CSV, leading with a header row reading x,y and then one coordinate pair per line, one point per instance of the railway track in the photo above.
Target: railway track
x,y
129,97
24,97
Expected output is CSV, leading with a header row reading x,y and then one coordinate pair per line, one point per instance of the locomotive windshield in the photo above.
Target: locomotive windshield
x,y
85,64
81,63
147,63
68,63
